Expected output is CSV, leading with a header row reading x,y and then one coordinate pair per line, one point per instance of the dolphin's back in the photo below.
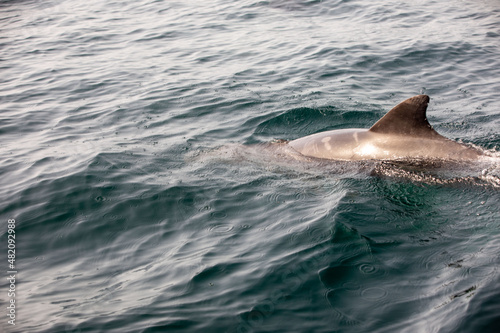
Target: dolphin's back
x,y
402,133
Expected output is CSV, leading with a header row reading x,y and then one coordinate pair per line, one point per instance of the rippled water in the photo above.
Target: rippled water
x,y
138,163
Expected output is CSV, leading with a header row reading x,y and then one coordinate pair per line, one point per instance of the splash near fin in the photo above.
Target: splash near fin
x,y
407,118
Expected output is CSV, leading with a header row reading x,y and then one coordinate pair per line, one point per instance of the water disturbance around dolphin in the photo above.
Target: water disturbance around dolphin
x,y
403,133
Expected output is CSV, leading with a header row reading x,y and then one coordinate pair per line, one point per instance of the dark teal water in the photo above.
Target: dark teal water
x,y
136,163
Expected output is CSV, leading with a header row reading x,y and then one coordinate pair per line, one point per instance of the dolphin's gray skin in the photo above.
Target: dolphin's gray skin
x,y
403,133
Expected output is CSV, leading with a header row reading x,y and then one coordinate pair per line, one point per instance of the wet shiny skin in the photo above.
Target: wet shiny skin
x,y
362,144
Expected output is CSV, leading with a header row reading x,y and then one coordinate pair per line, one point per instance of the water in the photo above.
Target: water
x,y
136,163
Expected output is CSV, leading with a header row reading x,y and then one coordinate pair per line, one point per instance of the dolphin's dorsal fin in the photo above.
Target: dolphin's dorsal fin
x,y
407,118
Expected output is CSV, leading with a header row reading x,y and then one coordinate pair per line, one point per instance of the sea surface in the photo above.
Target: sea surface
x,y
143,163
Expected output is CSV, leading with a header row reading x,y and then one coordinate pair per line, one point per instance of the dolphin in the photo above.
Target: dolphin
x,y
402,134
